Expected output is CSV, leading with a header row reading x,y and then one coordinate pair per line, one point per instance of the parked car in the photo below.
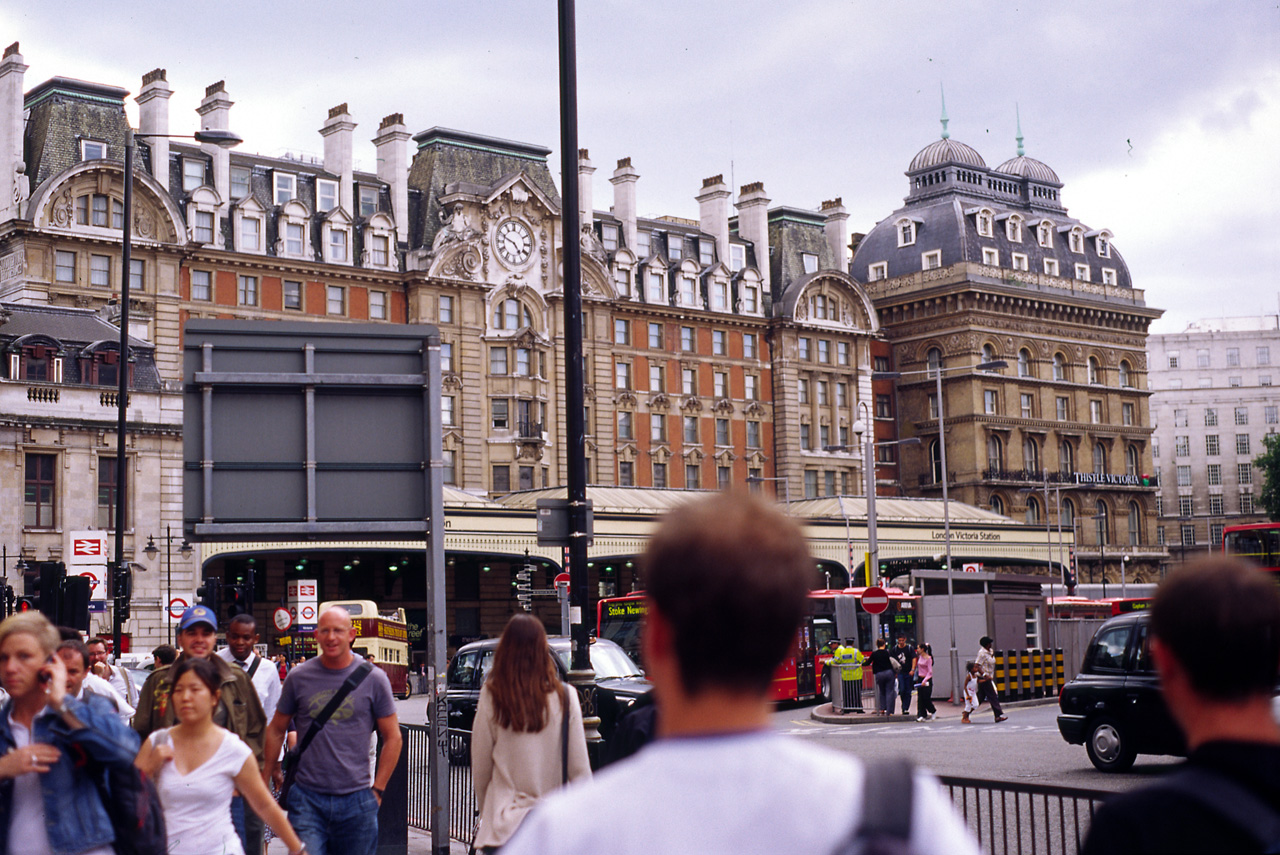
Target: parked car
x,y
619,683
1114,706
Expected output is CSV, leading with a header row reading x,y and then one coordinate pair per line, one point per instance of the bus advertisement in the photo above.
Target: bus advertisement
x,y
1259,543
833,614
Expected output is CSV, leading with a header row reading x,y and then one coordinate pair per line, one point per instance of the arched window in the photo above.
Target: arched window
x,y
1030,454
1126,381
935,461
1068,513
1024,363
1131,460
509,314
997,505
1066,457
1099,459
1059,367
1135,524
935,359
1033,510
1102,523
995,453
1095,370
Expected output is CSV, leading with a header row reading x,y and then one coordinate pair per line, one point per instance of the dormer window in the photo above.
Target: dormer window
x,y
688,293
609,237
1013,229
93,150
1051,267
810,262
295,231
293,239
737,257
1082,272
720,295
654,288
991,256
1077,240
326,195
1019,261
193,170
984,224
906,233
675,248
379,242
1108,276
931,260
368,202
750,299
878,271
286,187
1103,246
247,219
1044,234
202,227
622,281
378,252
642,244
240,177
338,240
706,251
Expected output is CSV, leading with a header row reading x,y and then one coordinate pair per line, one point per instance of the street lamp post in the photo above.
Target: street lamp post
x,y
786,486
937,371
224,139
151,552
1101,531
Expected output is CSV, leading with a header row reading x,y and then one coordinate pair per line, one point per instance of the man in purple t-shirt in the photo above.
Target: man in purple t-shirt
x,y
333,803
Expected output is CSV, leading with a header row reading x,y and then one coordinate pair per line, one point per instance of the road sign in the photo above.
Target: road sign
x,y
562,579
283,619
971,568
874,600
88,547
176,607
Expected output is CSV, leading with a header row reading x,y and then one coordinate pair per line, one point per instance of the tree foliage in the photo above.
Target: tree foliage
x,y
1269,463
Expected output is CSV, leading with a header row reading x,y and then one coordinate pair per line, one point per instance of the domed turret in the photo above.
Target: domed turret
x,y
946,151
1030,168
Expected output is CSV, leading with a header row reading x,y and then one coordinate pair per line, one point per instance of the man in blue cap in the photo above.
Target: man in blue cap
x,y
238,710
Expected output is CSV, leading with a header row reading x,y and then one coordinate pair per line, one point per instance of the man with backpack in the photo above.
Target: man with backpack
x,y
1226,798
718,779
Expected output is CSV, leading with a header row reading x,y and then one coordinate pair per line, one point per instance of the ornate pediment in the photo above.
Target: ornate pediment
x,y
725,457
755,408
694,455
459,260
660,401
451,382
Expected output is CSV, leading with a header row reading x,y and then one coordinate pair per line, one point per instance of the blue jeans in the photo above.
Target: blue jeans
x,y
884,691
905,684
250,832
334,825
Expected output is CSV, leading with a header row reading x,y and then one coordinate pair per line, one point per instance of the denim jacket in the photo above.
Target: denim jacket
x,y
74,815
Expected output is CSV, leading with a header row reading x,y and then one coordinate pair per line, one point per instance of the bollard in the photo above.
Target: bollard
x,y
393,814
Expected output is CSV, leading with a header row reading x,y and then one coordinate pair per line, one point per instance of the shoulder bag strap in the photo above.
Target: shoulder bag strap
x,y
888,793
356,678
253,669
1234,802
564,736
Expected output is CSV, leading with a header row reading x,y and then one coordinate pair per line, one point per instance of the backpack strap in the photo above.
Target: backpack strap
x,y
888,796
253,669
1232,801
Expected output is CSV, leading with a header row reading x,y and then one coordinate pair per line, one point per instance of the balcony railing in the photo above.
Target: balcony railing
x,y
529,430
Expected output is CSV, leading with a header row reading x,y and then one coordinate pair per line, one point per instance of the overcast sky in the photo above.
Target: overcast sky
x,y
1161,118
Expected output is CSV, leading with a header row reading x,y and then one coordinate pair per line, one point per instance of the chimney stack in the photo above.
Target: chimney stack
x,y
153,121
624,199
753,225
338,155
713,214
13,178
393,168
215,115
585,171
837,231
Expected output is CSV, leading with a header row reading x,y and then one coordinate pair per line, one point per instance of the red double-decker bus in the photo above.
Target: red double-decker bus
x,y
833,613
1259,543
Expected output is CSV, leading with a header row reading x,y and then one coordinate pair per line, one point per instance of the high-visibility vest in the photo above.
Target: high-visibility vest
x,y
848,657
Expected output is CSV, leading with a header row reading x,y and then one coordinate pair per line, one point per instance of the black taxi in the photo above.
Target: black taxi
x,y
619,683
1114,706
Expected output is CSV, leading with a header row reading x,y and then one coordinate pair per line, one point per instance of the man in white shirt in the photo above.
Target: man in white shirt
x,y
81,684
113,674
242,635
719,779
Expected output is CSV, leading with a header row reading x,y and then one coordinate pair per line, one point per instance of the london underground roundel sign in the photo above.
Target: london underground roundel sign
x,y
875,600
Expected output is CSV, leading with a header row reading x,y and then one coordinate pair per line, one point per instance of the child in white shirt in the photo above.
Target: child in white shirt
x,y
970,692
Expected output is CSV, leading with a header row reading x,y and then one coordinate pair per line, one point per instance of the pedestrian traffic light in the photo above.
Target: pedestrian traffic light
x,y
237,600
123,592
27,604
73,609
10,600
43,587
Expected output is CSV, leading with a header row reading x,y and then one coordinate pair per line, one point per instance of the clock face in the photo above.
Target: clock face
x,y
515,242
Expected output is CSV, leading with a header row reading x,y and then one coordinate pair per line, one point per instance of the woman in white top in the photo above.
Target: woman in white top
x,y
516,740
197,766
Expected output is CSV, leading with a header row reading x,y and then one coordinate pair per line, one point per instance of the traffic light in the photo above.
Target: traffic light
x,y
1148,481
74,606
10,600
123,592
237,600
210,594
43,588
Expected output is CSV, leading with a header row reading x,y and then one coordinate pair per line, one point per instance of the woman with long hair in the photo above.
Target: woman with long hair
x,y
924,673
54,749
197,765
520,747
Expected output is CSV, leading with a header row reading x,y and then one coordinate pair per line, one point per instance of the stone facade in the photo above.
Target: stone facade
x,y
1212,405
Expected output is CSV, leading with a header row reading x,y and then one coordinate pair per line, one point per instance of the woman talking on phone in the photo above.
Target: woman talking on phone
x,y
197,765
49,801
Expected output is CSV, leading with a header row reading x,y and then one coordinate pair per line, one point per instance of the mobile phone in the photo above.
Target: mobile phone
x,y
45,676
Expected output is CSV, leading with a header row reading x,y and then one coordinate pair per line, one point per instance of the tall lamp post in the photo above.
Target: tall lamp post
x,y
1101,530
786,485
223,139
151,552
937,372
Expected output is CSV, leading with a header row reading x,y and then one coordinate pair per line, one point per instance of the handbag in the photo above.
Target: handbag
x,y
564,737
132,803
291,758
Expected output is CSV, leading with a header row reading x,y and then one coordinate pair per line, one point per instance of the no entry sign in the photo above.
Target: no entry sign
x,y
875,600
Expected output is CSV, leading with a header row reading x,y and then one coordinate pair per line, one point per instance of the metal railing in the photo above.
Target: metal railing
x,y
1015,818
1007,818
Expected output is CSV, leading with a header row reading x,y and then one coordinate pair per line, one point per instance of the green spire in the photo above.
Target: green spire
x,y
945,133
1021,151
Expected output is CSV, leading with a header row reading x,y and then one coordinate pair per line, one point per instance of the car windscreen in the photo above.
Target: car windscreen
x,y
608,662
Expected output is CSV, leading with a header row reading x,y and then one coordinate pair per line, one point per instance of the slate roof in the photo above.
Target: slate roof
x,y
1029,167
63,110
944,151
75,330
